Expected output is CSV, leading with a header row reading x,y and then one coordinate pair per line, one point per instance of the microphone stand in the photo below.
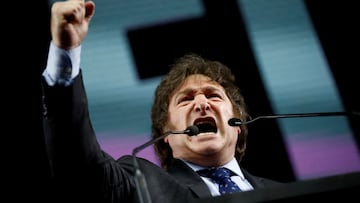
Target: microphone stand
x,y
238,122
140,181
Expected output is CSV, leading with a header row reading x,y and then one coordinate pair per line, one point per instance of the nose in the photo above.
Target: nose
x,y
201,103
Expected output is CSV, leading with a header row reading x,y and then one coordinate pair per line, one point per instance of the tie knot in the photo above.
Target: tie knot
x,y
222,177
217,174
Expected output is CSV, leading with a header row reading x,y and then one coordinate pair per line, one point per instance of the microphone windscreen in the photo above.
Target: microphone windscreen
x,y
234,122
192,130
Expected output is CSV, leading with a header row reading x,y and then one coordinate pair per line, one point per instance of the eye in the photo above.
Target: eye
x,y
214,95
185,98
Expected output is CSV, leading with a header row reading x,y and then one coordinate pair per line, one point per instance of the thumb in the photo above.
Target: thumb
x,y
89,10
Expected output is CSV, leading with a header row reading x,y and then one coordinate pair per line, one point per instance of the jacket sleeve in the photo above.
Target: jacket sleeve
x,y
70,139
78,166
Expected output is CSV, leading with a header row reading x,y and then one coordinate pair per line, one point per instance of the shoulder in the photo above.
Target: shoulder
x,y
258,181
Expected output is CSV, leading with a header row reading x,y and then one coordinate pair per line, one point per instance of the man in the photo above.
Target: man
x,y
196,92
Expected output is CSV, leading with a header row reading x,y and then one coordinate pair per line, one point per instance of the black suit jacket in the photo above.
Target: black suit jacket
x,y
82,172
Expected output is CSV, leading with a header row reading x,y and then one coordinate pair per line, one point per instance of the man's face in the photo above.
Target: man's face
x,y
202,102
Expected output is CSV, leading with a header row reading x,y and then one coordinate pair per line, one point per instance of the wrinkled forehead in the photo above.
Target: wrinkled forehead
x,y
198,82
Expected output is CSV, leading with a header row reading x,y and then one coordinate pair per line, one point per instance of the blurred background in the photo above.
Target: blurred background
x,y
288,56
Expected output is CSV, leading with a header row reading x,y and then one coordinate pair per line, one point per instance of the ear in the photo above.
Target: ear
x,y
166,139
238,130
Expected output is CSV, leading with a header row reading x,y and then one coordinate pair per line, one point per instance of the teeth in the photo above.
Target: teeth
x,y
200,123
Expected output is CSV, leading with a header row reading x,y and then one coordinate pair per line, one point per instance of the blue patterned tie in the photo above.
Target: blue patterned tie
x,y
222,177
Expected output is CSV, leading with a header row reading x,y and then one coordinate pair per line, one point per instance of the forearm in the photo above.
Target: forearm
x,y
70,138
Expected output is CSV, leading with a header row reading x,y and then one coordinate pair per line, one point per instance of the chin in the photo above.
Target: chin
x,y
211,148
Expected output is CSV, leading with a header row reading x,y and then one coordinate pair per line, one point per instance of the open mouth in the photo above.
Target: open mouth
x,y
206,125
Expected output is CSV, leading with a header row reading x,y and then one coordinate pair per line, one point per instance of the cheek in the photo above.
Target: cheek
x,y
226,110
234,134
172,140
174,117
177,118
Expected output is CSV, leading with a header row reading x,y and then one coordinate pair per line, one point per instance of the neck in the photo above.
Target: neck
x,y
209,160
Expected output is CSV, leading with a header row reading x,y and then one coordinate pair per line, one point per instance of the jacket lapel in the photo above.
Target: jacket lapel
x,y
187,177
255,181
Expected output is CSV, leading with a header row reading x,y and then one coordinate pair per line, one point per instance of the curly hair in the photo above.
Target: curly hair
x,y
183,67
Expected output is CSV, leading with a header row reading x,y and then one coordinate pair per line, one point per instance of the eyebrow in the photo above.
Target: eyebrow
x,y
205,89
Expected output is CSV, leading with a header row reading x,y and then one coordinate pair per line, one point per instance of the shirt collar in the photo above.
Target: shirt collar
x,y
232,165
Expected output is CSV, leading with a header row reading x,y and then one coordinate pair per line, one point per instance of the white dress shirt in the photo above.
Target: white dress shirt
x,y
62,65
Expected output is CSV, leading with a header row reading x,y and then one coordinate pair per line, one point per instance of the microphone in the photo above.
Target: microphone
x,y
238,122
140,181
